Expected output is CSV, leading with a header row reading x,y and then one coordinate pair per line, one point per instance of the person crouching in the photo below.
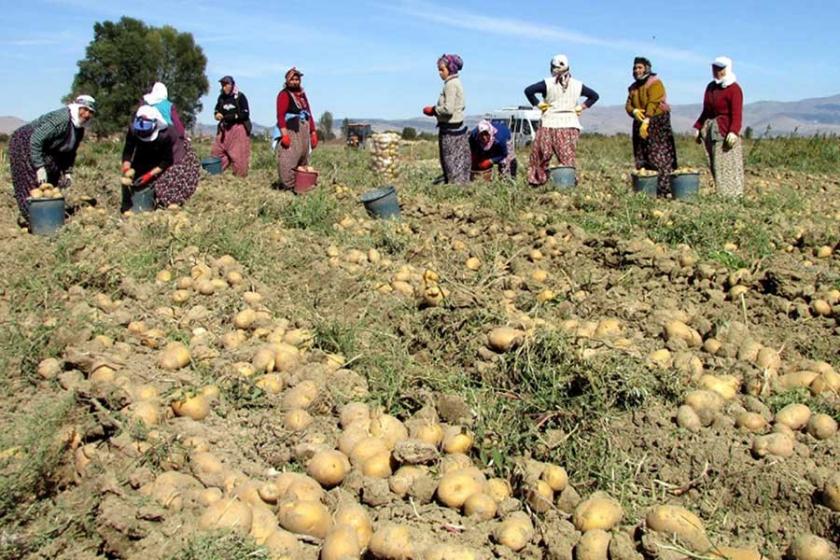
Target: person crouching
x,y
492,144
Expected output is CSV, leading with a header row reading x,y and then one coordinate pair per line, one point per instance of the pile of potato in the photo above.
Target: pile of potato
x,y
45,191
385,151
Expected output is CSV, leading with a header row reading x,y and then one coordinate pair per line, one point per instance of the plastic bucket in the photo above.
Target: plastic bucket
x,y
46,215
382,203
685,185
484,175
646,184
305,181
212,165
563,177
143,200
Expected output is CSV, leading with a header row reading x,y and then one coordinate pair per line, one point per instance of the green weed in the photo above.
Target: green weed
x,y
221,546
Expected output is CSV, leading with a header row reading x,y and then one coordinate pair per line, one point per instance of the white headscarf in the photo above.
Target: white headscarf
x,y
85,101
560,70
158,94
152,114
730,77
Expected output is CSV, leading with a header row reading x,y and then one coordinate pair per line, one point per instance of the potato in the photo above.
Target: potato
x,y
297,420
196,407
794,380
726,386
599,511
473,263
795,416
427,431
147,412
454,488
282,544
454,462
365,449
593,545
822,426
227,514
442,551
556,477
831,492
245,319
263,360
208,496
499,489
271,383
350,437
688,419
505,339
706,404
303,488
328,467
263,523
660,358
776,444
352,412
170,488
378,466
540,496
180,296
175,356
341,543
355,515
457,440
515,531
751,421
388,429
678,521
304,517
768,358
826,382
810,547
400,482
49,368
481,506
748,350
393,542
608,328
675,329
301,395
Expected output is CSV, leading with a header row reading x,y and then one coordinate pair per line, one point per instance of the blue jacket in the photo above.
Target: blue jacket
x,y
498,151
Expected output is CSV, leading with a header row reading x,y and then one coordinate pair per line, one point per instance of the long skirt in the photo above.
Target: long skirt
x,y
657,152
508,165
296,155
24,178
726,164
560,142
175,185
233,147
455,159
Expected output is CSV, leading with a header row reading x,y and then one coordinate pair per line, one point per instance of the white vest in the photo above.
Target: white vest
x,y
561,113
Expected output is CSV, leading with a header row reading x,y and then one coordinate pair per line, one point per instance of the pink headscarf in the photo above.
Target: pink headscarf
x,y
453,63
487,126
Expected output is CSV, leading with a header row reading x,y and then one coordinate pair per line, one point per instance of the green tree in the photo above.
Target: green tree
x,y
126,58
748,133
409,133
345,127
325,125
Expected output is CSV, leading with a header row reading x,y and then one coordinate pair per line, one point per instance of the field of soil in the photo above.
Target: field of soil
x,y
504,372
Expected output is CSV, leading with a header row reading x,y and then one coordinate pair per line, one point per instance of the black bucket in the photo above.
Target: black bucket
x,y
382,203
46,215
646,184
143,200
685,185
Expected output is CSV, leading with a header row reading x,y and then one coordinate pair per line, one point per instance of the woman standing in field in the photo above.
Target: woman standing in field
x,y
492,144
453,145
719,127
44,150
233,137
560,124
155,155
653,137
298,134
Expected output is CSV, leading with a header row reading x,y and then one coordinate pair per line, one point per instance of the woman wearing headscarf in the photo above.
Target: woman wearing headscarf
x,y
298,134
719,127
233,137
44,150
492,144
159,99
154,154
653,137
453,144
560,126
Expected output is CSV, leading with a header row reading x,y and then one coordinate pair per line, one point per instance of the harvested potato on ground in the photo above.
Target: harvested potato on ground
x,y
481,506
811,547
593,545
196,407
795,416
450,552
822,426
678,521
454,488
515,531
227,514
776,444
505,339
341,543
328,467
305,517
393,542
355,515
599,511
831,492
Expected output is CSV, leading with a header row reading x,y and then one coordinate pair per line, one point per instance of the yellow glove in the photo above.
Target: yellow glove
x,y
730,140
578,109
639,114
643,130
543,106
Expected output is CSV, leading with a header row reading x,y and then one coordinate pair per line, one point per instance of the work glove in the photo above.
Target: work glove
x,y
285,141
579,109
730,140
639,114
484,164
643,130
66,181
698,136
543,106
313,140
41,175
429,111
144,179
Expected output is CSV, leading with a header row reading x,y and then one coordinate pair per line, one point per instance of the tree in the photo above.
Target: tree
x,y
748,133
325,125
345,127
409,133
126,58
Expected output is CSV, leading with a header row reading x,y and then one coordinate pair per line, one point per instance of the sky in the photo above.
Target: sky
x,y
376,58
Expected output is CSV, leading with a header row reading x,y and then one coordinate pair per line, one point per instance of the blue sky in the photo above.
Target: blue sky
x,y
376,58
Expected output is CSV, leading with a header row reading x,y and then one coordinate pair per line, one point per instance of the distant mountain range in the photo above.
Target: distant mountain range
x,y
806,117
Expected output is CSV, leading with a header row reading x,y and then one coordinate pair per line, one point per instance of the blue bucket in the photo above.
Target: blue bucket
x,y
647,185
563,177
212,165
382,203
143,200
46,215
685,185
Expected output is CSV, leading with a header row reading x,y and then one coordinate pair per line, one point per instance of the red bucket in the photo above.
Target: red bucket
x,y
305,181
482,175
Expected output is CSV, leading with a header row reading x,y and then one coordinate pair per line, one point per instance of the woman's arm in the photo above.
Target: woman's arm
x,y
591,96
532,91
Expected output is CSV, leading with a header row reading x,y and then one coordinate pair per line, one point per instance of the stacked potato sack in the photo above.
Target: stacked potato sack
x,y
385,152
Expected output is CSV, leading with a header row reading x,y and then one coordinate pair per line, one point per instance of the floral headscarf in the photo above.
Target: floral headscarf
x,y
487,126
453,63
560,70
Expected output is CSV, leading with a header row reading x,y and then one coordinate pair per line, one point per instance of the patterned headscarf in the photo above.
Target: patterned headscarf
x,y
560,70
291,72
453,63
487,126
